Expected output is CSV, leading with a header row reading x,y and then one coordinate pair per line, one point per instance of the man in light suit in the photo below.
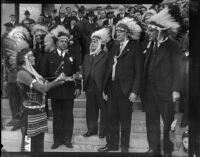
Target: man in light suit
x,y
122,84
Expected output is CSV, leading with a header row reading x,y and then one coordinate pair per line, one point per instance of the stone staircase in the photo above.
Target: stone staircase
x,y
138,139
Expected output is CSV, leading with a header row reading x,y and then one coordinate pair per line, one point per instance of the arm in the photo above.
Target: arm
x,y
27,79
138,70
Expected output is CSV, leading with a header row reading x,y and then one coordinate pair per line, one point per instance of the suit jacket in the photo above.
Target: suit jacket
x,y
96,69
65,22
118,18
129,67
106,22
51,64
168,70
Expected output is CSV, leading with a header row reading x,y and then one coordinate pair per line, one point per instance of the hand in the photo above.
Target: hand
x,y
77,93
69,78
175,96
61,77
105,97
132,97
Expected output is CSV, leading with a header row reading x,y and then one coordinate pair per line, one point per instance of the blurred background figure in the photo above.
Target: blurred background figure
x,y
27,18
13,20
74,13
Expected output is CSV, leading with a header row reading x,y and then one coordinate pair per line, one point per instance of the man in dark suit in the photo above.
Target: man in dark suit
x,y
162,81
81,24
89,27
62,97
13,20
122,85
63,19
122,13
27,18
94,75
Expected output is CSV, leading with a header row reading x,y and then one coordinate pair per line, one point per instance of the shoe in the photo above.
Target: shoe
x,y
68,144
102,135
15,128
89,133
153,152
124,150
107,149
167,154
55,145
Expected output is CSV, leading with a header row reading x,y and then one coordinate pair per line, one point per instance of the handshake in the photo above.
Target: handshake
x,y
63,78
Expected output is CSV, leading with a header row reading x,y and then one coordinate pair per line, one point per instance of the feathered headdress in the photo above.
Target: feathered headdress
x,y
39,27
19,32
103,35
164,21
134,30
50,39
13,49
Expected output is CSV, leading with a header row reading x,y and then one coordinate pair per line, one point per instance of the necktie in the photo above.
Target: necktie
x,y
62,54
155,47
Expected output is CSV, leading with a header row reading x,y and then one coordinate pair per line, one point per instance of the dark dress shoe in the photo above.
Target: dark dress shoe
x,y
68,144
89,133
102,135
107,149
55,145
15,128
153,152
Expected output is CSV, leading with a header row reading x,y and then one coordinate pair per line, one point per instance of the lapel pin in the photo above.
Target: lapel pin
x,y
71,59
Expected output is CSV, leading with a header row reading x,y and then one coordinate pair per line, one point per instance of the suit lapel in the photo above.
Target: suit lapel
x,y
126,49
56,55
98,57
161,51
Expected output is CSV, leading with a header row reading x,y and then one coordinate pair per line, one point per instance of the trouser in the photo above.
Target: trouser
x,y
14,100
154,107
63,120
94,102
36,142
119,112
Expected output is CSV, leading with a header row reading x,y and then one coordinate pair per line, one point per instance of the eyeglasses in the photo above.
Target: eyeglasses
x,y
120,31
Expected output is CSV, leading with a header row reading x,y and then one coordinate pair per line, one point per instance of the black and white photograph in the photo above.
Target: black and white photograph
x,y
98,78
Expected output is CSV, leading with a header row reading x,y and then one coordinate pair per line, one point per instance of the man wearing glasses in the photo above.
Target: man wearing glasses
x,y
122,84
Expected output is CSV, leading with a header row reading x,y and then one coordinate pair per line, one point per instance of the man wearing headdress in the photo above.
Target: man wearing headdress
x,y
162,80
122,84
94,74
60,60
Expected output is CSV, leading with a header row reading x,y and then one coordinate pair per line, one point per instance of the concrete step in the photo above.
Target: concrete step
x,y
138,142
137,126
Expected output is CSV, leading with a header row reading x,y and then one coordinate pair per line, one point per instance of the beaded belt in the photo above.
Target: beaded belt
x,y
33,106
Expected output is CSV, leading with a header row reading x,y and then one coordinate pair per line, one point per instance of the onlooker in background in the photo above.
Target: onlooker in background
x,y
75,35
13,20
99,10
68,12
122,13
41,20
131,12
81,24
63,19
89,27
138,15
102,19
53,20
27,18
74,13
110,19
143,9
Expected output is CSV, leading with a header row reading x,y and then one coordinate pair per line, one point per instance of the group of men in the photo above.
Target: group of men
x,y
116,69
